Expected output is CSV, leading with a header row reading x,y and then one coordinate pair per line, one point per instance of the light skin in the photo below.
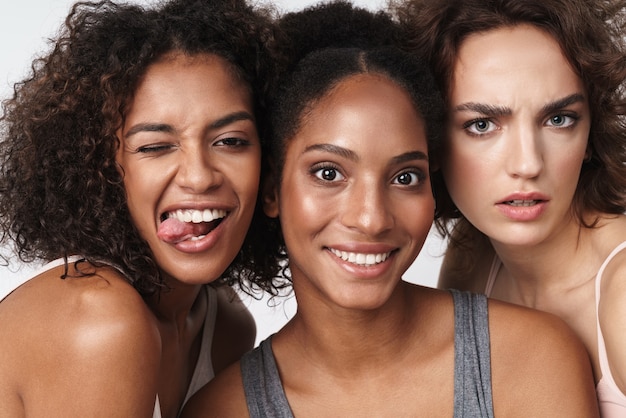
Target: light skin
x,y
363,340
517,139
188,142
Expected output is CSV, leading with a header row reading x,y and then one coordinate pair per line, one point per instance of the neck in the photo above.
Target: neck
x,y
347,340
536,272
176,304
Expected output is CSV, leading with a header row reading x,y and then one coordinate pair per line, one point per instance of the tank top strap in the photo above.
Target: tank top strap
x,y
263,388
607,383
203,372
473,395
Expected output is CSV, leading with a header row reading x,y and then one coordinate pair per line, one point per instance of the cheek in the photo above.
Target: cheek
x,y
422,216
460,169
247,179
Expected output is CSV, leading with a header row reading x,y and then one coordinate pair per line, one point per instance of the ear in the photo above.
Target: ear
x,y
269,190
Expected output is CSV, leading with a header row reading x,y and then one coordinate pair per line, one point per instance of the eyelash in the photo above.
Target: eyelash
x,y
574,118
317,168
316,172
148,149
420,177
471,123
230,142
467,125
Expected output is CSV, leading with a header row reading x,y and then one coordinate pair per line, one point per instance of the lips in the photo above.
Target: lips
x,y
520,202
361,259
189,224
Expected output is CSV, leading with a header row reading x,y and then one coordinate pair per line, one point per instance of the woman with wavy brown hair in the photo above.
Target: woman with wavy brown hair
x,y
130,162
532,186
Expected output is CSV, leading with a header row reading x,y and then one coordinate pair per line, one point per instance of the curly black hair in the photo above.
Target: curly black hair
x,y
61,193
330,42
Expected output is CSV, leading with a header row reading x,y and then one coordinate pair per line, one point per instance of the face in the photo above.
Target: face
x,y
355,202
517,135
190,157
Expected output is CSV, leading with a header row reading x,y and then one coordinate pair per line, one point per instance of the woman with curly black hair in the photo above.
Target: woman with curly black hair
x,y
532,187
130,162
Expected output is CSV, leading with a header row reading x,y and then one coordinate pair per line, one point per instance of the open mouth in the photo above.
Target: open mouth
x,y
361,259
522,203
189,224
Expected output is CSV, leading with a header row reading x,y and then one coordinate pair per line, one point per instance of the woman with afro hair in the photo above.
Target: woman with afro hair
x,y
130,162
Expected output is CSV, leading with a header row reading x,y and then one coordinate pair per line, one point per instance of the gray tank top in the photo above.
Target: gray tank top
x,y
266,398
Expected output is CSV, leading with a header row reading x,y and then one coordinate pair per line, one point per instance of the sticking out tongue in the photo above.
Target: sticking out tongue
x,y
173,231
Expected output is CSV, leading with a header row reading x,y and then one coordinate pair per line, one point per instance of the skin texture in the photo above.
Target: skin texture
x,y
549,260
363,342
93,346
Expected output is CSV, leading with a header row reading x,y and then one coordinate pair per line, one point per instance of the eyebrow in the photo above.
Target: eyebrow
x,y
165,128
564,102
410,156
333,149
351,155
483,109
492,110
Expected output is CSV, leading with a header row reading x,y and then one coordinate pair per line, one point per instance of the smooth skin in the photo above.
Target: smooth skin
x,y
519,130
363,342
91,346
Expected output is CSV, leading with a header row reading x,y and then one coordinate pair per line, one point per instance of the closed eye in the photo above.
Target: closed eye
x,y
154,148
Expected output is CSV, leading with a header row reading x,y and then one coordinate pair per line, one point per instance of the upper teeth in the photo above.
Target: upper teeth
x,y
522,202
197,216
361,258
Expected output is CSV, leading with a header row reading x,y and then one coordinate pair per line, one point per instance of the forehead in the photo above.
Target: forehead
x,y
362,109
505,59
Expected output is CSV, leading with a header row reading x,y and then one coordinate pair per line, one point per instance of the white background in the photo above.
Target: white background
x,y
25,27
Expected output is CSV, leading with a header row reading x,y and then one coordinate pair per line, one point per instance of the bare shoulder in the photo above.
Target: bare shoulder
x,y
89,341
612,315
539,366
235,329
222,397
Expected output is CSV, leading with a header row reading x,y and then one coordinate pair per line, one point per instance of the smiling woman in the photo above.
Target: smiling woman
x,y
187,156
138,124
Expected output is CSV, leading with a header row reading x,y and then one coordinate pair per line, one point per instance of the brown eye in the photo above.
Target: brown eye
x,y
327,173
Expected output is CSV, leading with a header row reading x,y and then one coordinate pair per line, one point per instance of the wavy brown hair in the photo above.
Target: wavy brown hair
x,y
591,35
60,190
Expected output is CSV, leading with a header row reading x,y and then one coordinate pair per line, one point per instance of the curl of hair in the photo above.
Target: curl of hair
x,y
591,35
61,192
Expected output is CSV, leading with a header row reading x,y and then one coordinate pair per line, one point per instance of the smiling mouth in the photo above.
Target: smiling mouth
x,y
361,259
189,224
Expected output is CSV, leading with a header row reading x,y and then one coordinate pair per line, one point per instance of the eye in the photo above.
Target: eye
x,y
561,120
327,173
154,148
232,142
479,126
409,178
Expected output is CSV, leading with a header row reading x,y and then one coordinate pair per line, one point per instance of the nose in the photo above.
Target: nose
x,y
196,173
367,208
524,153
